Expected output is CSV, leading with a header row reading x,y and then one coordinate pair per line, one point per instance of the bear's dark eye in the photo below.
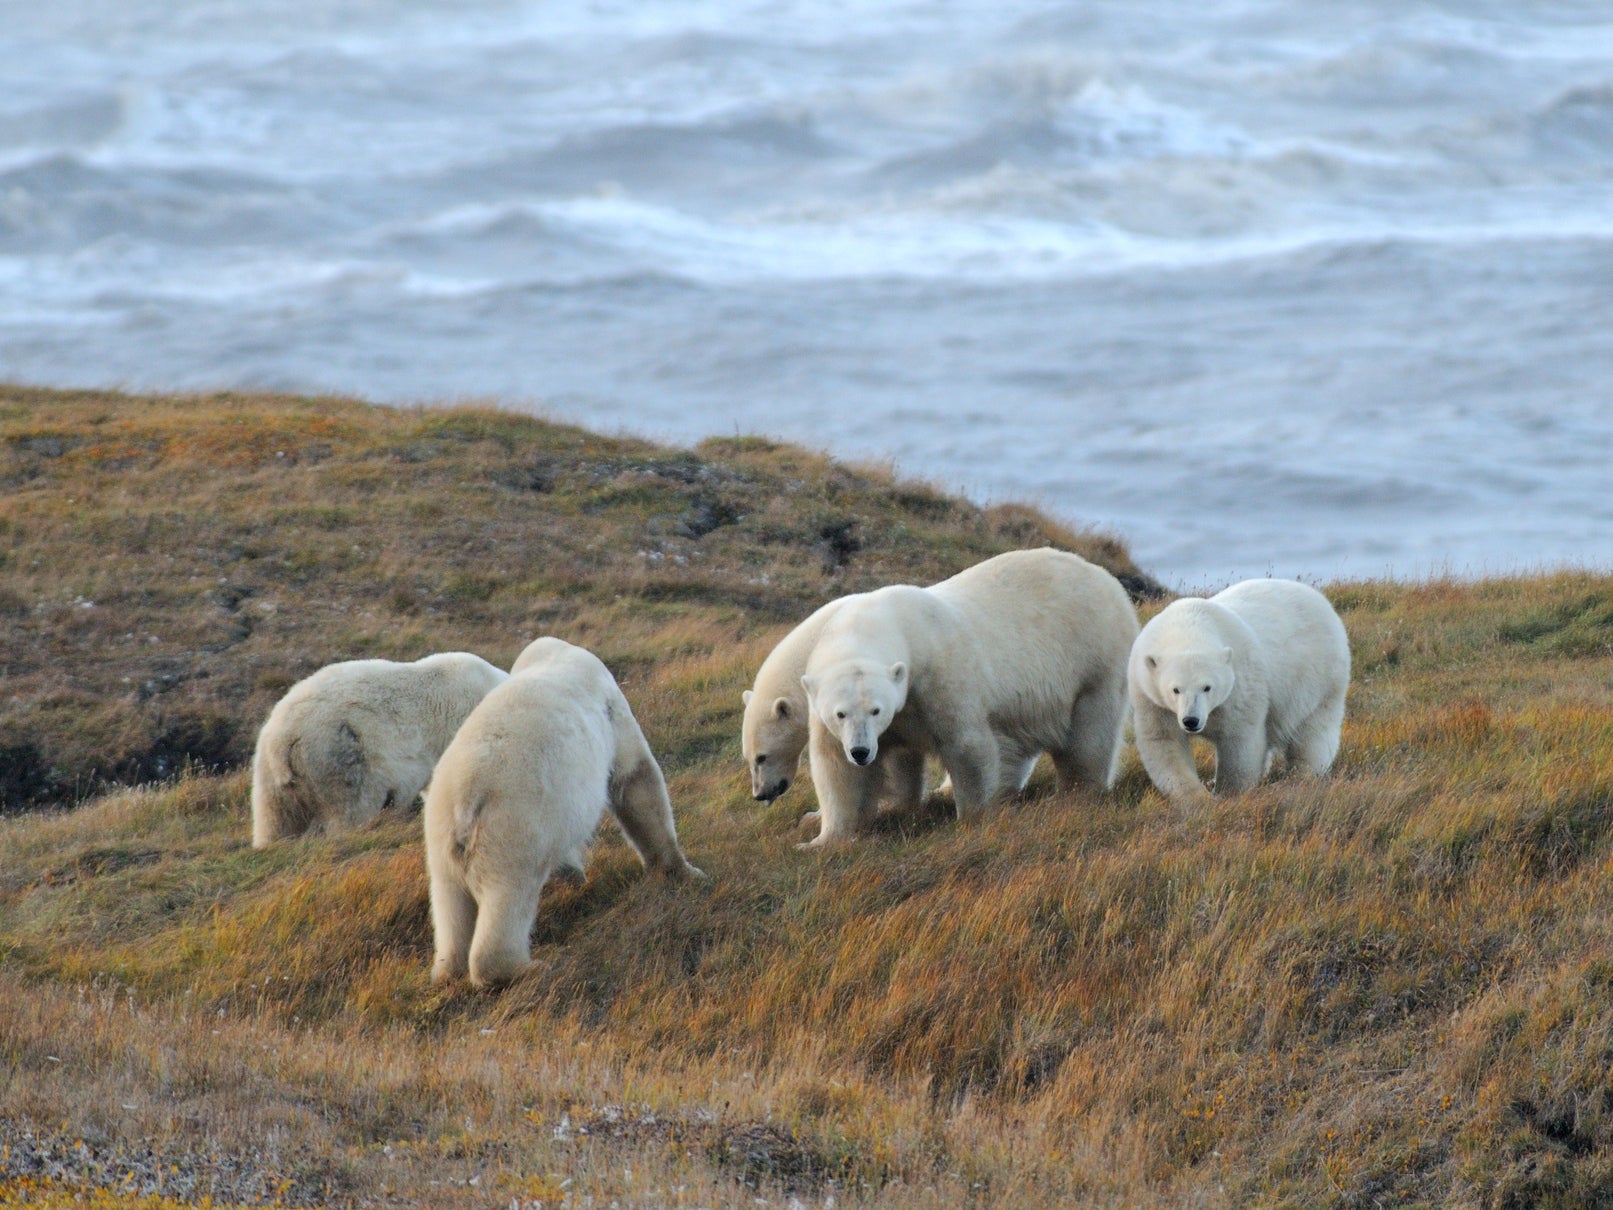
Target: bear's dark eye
x,y
1206,688
1177,692
840,714
875,710
761,760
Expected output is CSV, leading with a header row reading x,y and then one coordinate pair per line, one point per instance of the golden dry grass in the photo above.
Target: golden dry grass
x,y
1395,988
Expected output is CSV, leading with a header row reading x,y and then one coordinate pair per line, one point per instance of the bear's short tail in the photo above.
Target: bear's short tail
x,y
467,815
280,763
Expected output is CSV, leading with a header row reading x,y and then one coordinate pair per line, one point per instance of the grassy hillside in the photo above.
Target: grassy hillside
x,y
1394,989
168,567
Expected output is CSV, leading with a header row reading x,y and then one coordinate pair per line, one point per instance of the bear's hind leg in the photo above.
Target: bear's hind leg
x,y
276,815
502,945
644,812
1097,726
280,808
1315,745
453,921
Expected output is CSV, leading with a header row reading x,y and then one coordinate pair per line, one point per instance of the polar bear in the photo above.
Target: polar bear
x,y
774,731
357,737
1259,669
1022,654
518,794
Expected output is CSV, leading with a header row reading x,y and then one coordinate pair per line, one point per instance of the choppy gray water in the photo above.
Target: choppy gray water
x,y
1310,289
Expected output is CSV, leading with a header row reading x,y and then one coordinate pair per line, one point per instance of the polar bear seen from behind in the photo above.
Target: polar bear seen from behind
x,y
518,795
357,737
1022,654
1258,670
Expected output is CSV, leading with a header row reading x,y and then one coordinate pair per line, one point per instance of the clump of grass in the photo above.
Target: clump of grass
x,y
1389,988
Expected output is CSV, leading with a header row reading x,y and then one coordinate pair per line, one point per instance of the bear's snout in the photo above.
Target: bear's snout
x,y
1192,725
773,791
860,756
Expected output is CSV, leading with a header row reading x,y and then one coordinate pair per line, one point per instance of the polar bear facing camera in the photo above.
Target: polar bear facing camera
x,y
1260,669
774,731
357,737
518,795
1022,654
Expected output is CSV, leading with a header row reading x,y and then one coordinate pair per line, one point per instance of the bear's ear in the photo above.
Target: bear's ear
x,y
898,672
1226,655
746,696
810,684
781,708
1151,662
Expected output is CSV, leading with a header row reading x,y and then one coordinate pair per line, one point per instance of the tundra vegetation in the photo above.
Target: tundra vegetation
x,y
1391,988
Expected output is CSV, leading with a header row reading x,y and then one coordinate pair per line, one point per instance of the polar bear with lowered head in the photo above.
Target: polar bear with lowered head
x,y
774,732
357,737
1260,669
518,795
1024,654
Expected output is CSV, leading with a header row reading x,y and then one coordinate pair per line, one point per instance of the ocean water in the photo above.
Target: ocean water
x,y
1317,290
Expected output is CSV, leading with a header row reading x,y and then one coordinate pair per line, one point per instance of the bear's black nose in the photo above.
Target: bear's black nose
x,y
1191,724
773,791
860,755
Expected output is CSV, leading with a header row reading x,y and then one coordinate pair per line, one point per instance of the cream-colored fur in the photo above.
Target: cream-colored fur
x,y
1259,670
518,795
1022,654
357,737
774,732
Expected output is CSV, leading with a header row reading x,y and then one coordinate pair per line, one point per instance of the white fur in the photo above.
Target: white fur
x,y
774,732
1258,670
518,795
358,736
1022,654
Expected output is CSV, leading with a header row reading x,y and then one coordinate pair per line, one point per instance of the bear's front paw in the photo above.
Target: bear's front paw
x,y
825,840
684,869
446,970
809,824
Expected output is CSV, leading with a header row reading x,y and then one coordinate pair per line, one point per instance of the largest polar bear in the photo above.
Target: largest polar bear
x,y
359,736
518,795
1024,653
1258,669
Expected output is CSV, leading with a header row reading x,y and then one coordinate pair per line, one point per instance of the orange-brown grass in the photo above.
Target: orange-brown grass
x,y
1393,988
